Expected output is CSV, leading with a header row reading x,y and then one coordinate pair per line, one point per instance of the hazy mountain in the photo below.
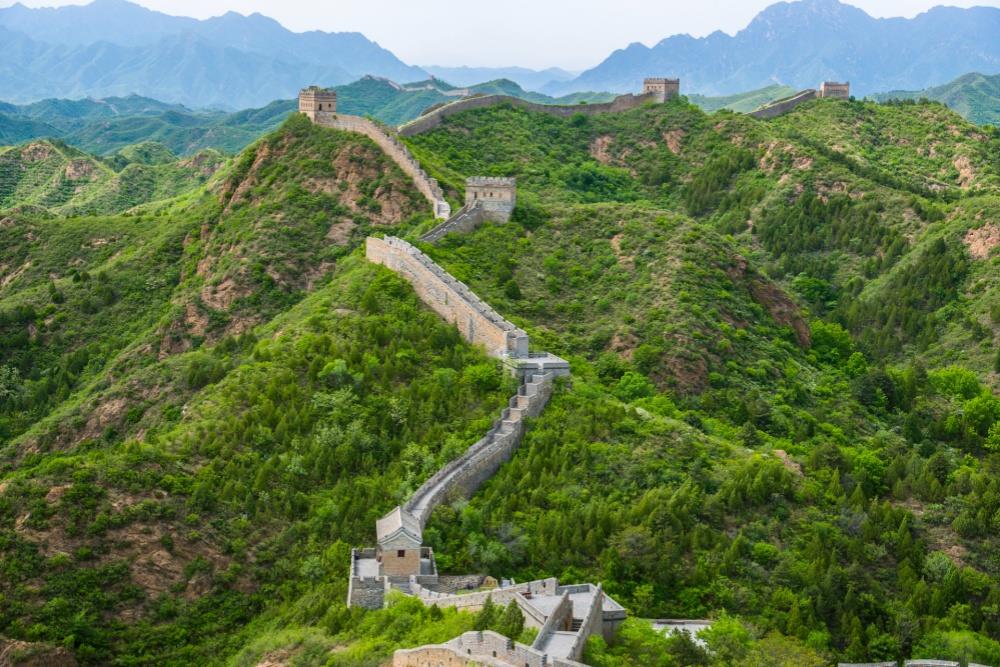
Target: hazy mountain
x,y
105,126
975,96
113,47
802,43
529,79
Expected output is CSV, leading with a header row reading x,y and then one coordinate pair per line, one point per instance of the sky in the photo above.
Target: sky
x,y
572,34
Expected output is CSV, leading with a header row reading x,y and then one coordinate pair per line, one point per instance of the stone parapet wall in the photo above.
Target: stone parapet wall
x,y
449,298
560,618
433,119
466,220
477,648
784,106
593,623
396,150
475,601
477,464
366,593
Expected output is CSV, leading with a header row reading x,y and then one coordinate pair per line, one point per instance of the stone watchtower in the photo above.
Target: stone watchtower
x,y
495,196
661,89
315,100
838,91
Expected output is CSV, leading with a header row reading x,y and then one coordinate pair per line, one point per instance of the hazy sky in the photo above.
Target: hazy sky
x,y
573,34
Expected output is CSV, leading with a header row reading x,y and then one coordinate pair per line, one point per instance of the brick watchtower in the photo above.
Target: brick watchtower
x,y
496,196
315,100
838,91
661,89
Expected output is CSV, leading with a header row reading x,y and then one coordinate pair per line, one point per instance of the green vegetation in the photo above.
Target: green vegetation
x,y
53,176
783,414
742,102
975,96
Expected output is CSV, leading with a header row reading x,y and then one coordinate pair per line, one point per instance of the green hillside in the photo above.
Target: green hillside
x,y
742,102
107,126
782,416
58,178
975,96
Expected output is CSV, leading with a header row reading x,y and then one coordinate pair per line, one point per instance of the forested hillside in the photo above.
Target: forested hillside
x,y
782,416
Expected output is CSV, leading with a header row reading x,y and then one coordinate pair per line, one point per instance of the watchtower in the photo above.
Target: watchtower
x,y
315,100
496,196
661,89
839,91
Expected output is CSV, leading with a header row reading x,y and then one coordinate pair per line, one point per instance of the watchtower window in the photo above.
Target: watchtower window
x,y
401,553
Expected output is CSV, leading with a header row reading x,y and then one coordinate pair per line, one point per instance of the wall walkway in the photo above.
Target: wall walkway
x,y
433,119
780,107
396,150
466,220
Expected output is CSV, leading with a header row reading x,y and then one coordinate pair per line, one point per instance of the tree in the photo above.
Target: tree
x,y
10,383
486,616
512,623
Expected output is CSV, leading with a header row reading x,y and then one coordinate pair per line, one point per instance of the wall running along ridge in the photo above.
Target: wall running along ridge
x,y
434,118
784,106
467,219
396,150
450,298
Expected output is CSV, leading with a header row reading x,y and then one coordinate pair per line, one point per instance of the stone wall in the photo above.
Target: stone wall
x,y
396,150
466,220
784,106
593,624
366,593
433,119
450,298
496,195
464,475
475,601
477,648
840,91
560,619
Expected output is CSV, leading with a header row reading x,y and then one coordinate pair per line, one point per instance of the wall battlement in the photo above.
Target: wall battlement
x,y
495,195
840,91
450,298
434,118
392,147
661,89
315,100
486,198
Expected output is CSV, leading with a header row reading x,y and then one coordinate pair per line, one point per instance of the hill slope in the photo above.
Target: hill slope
x,y
782,415
975,96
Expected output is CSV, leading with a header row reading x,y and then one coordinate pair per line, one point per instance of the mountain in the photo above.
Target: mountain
x,y
803,43
975,96
104,126
51,176
115,48
782,416
528,79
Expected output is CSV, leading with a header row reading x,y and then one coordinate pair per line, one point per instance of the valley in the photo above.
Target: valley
x,y
782,415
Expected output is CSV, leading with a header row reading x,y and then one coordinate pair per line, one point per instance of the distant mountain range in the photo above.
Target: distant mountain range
x,y
116,48
107,126
802,43
975,96
529,79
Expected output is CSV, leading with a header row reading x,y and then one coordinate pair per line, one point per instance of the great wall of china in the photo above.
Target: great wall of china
x,y
564,616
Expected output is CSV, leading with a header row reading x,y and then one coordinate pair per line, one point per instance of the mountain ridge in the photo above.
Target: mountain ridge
x,y
807,41
115,47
